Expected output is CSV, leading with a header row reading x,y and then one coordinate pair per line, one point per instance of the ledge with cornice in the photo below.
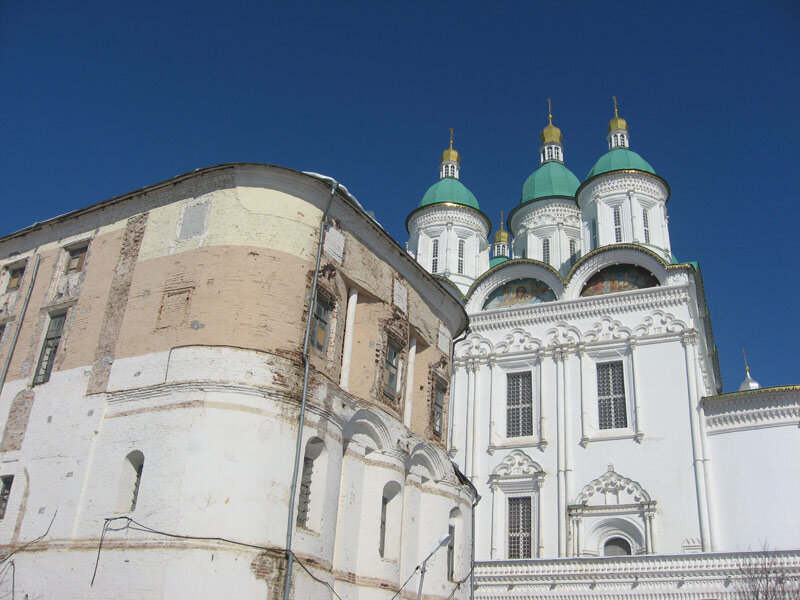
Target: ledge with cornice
x,y
447,207
623,180
651,576
595,306
752,409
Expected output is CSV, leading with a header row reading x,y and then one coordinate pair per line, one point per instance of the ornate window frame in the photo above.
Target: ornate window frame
x,y
517,475
498,438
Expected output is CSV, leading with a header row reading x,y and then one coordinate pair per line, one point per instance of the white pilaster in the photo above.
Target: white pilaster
x,y
347,350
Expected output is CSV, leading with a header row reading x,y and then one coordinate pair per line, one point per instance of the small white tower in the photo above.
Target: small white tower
x,y
551,148
451,161
501,241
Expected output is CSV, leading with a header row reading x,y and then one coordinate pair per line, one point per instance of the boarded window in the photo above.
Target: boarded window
x,y
15,278
194,220
174,307
51,341
438,409
77,256
391,365
323,310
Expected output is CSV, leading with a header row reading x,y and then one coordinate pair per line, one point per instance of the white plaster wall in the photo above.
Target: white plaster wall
x,y
757,483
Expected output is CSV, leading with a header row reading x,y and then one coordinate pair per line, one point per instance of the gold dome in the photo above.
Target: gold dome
x,y
451,155
550,134
617,123
502,234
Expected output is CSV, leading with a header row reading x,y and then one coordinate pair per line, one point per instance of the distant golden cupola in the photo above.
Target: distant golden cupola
x,y
617,123
501,236
451,161
550,134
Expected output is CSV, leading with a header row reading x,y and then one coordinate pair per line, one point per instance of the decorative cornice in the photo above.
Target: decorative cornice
x,y
611,181
752,409
460,209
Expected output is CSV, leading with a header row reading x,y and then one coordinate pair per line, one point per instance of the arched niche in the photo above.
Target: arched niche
x,y
519,292
619,278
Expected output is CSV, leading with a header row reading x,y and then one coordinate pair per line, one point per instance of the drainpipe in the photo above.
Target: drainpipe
x,y
7,363
311,306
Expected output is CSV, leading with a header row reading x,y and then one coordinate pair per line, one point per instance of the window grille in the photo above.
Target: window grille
x,y
390,369
435,257
546,251
594,234
305,491
51,341
646,223
573,252
77,256
461,244
519,527
519,404
611,396
438,410
5,492
323,309
617,224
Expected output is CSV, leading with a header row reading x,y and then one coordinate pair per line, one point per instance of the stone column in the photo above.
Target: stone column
x,y
584,394
637,412
558,357
347,350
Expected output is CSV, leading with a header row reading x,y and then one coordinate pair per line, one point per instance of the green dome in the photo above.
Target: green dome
x,y
449,190
551,179
497,260
620,159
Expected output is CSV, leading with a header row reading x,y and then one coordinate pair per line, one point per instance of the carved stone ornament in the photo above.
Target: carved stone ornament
x,y
641,183
439,215
612,488
517,464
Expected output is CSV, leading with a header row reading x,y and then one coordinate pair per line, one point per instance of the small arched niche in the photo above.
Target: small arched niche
x,y
619,278
519,292
617,546
130,481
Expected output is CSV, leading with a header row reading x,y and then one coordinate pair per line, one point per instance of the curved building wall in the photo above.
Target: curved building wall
x,y
170,394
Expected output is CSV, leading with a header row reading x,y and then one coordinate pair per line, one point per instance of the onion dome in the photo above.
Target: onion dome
x,y
451,155
551,179
620,159
449,190
501,235
749,383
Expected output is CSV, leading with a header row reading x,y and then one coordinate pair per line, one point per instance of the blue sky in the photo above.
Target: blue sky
x,y
101,98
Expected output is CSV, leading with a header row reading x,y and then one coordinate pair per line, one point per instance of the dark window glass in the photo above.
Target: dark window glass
x,y
5,492
323,309
519,404
390,368
611,396
51,341
438,410
519,527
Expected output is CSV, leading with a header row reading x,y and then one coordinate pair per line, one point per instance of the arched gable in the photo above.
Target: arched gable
x,y
426,462
615,269
524,271
368,428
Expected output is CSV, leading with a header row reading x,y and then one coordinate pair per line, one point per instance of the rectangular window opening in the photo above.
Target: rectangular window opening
x,y
617,224
77,256
461,245
611,405
391,366
435,257
546,251
646,224
51,342
15,278
519,404
323,310
305,491
438,409
519,527
5,491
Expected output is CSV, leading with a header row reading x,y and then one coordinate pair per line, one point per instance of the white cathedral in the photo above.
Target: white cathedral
x,y
587,405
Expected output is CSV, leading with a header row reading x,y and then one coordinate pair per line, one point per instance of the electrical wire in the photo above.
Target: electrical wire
x,y
405,582
33,541
137,526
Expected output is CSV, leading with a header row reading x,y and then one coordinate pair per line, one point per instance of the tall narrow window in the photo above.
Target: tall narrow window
x,y
130,481
77,256
546,251
435,257
5,492
451,554
519,527
617,224
438,409
594,235
51,341
305,491
391,366
382,541
461,244
646,225
323,309
573,252
611,396
15,278
519,404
